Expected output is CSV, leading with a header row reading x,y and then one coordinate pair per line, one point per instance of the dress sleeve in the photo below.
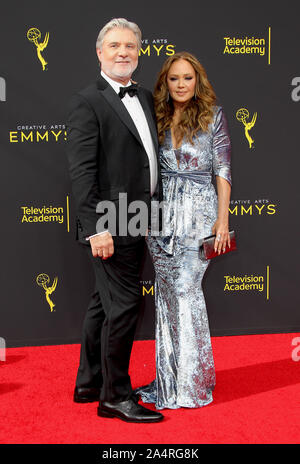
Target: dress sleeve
x,y
221,146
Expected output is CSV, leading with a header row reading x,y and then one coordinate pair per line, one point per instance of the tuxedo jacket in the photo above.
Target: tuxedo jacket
x,y
106,155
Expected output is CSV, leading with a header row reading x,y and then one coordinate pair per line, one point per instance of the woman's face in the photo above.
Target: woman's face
x,y
181,80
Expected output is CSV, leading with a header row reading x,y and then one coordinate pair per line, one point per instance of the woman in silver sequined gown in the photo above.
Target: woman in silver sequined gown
x,y
185,373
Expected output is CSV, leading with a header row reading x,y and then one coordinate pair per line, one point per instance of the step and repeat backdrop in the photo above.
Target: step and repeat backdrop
x,y
251,54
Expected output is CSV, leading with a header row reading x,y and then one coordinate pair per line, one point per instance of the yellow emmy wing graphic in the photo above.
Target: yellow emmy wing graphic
x,y
33,35
242,115
42,280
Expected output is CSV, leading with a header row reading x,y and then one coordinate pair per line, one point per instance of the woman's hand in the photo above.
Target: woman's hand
x,y
221,230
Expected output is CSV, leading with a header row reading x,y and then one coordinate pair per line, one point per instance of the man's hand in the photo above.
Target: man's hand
x,y
102,245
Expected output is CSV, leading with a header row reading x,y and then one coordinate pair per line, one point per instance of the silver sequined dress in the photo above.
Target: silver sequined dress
x,y
185,373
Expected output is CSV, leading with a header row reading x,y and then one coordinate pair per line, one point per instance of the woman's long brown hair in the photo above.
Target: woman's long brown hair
x,y
198,113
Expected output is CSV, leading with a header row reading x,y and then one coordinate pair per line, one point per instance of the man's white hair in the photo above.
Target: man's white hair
x,y
121,23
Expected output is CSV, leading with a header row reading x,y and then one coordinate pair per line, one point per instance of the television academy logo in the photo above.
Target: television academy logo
x,y
249,283
33,35
49,214
259,46
46,214
2,89
296,90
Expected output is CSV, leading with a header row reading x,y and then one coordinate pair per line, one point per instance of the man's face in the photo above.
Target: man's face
x,y
119,54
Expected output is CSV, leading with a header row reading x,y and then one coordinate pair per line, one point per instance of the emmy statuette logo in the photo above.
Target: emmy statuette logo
x,y
33,35
42,280
242,115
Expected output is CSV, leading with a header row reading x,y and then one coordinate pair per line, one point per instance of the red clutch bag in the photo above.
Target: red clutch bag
x,y
207,250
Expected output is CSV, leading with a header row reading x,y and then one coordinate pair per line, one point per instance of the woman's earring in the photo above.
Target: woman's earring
x,y
168,97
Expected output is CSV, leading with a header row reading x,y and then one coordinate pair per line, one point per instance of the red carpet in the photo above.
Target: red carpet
x,y
256,400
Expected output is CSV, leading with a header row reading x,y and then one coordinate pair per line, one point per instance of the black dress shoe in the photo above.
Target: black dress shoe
x,y
128,411
86,394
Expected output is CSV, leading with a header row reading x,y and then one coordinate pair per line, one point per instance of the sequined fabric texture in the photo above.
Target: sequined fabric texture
x,y
185,373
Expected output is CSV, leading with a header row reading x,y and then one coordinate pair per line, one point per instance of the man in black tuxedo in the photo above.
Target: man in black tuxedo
x,y
112,150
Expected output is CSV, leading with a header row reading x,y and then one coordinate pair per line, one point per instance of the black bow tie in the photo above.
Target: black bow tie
x,y
131,89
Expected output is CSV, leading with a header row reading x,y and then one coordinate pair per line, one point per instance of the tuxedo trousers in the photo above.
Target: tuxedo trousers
x,y
110,322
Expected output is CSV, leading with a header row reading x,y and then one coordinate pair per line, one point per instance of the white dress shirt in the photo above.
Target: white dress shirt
x,y
135,110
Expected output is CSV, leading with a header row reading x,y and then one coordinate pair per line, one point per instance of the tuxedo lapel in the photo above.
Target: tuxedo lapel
x,y
116,104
